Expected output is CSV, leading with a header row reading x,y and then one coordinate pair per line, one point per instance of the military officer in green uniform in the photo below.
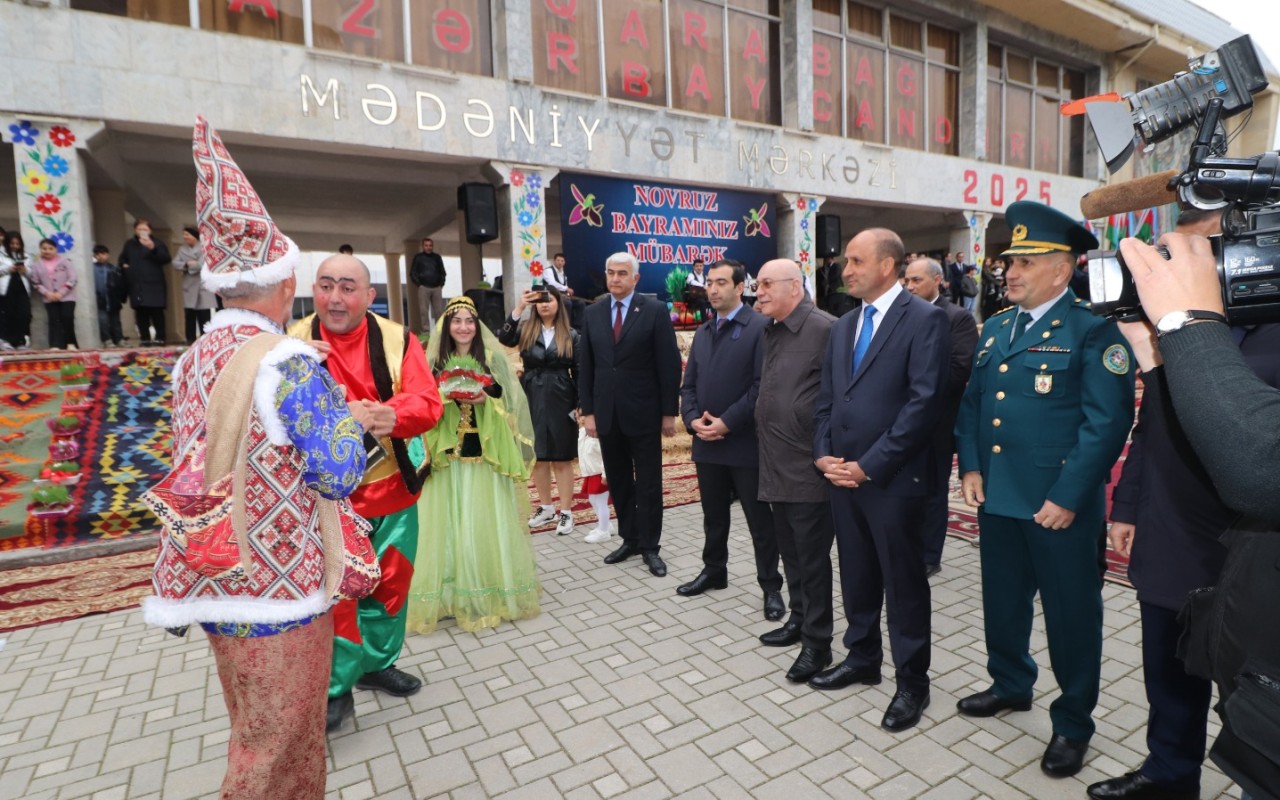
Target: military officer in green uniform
x,y
1044,418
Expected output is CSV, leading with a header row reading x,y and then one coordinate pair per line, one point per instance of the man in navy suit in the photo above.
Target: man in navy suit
x,y
883,388
923,278
629,389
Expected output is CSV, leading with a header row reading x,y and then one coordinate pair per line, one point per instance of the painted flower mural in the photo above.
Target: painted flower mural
x,y
526,209
24,133
45,180
805,249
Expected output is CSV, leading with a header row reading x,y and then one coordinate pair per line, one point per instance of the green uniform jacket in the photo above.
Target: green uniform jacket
x,y
1046,417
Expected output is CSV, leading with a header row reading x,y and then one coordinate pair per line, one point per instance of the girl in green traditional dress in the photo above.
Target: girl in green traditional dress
x,y
474,562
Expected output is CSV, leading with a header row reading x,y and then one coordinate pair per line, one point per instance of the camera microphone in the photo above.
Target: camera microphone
x,y
1135,195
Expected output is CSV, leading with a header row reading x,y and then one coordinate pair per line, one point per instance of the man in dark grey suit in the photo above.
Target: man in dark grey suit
x,y
882,388
629,393
923,278
718,404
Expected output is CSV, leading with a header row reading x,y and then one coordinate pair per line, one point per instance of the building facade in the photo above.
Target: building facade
x,y
358,120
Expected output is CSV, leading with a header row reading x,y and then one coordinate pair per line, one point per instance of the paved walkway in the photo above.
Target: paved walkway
x,y
620,689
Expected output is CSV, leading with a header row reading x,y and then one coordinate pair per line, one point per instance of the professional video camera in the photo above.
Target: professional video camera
x,y
1247,190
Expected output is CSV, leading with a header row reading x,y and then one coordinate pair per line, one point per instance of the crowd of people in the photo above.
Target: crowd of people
x,y
825,431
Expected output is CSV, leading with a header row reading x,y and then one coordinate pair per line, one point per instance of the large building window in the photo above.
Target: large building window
x,y
709,56
452,34
276,20
154,10
900,82
376,31
1024,126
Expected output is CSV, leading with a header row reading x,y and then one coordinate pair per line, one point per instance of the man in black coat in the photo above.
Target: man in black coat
x,y
1168,519
428,274
718,402
924,280
883,379
629,393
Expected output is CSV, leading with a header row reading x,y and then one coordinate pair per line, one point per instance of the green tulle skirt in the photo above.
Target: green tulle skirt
x,y
475,560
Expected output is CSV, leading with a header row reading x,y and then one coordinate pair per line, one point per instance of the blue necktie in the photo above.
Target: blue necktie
x,y
864,338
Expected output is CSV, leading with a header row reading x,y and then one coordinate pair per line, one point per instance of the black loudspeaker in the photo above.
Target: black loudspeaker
x,y
828,236
479,205
491,306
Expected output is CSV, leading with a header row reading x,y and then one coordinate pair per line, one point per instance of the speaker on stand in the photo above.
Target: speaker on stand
x,y
828,238
478,203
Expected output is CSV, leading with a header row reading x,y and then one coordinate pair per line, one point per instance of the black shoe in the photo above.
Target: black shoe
x,y
785,636
1063,757
988,704
810,662
904,710
621,554
390,680
655,564
340,707
774,608
932,569
843,675
701,584
1136,786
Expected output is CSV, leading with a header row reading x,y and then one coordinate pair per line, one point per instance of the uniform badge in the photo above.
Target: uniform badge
x,y
990,341
1044,383
1116,359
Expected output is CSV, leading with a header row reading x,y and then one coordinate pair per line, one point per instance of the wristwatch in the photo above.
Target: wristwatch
x,y
1176,320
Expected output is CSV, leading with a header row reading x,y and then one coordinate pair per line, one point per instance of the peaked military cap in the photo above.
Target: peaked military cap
x,y
1038,229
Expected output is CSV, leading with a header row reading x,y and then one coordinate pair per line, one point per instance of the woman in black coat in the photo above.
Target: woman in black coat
x,y
143,261
548,345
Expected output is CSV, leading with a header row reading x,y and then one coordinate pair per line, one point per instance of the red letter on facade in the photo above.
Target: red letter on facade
x,y
865,118
453,30
821,60
821,105
907,81
633,30
755,89
862,76
906,123
754,48
265,6
1015,146
564,9
697,83
942,130
562,48
635,79
354,22
695,27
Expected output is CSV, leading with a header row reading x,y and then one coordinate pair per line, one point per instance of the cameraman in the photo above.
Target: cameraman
x,y
1232,419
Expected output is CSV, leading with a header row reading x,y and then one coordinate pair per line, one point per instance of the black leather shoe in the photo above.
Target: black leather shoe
x,y
1063,757
340,707
810,662
904,710
621,554
843,675
988,704
655,564
785,636
774,608
932,569
1136,786
390,680
701,584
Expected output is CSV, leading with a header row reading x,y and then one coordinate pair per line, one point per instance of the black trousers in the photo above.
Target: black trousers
x,y
633,468
805,534
719,484
1178,704
149,318
881,543
936,512
62,323
195,321
109,329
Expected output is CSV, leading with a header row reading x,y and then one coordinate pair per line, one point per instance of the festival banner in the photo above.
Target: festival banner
x,y
665,226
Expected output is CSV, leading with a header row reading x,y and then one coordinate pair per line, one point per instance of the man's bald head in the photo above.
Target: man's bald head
x,y
343,291
779,288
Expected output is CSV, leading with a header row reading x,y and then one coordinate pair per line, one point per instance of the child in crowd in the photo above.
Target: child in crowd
x,y
591,464
110,290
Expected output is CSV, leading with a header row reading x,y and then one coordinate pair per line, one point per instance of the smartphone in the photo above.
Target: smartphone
x,y
543,295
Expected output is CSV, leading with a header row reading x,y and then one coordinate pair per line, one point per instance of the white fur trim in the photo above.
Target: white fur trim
x,y
167,613
268,381
232,317
265,275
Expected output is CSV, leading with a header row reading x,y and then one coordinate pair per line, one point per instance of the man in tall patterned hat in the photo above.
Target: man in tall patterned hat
x,y
269,628
1043,419
385,372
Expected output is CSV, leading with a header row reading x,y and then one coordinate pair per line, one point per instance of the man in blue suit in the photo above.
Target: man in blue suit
x,y
1044,418
882,392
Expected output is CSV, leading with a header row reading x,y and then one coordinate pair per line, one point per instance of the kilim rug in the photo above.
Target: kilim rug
x,y
124,444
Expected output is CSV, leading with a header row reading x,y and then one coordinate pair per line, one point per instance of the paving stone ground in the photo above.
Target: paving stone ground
x,y
619,689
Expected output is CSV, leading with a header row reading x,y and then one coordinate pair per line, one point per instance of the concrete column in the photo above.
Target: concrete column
x,y
522,196
411,248
53,203
512,43
797,64
471,254
977,250
973,122
796,214
395,289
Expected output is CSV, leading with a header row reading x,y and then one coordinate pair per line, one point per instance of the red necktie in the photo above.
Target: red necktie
x,y
617,321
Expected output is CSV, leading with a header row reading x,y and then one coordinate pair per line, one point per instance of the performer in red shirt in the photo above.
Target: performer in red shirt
x,y
385,371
